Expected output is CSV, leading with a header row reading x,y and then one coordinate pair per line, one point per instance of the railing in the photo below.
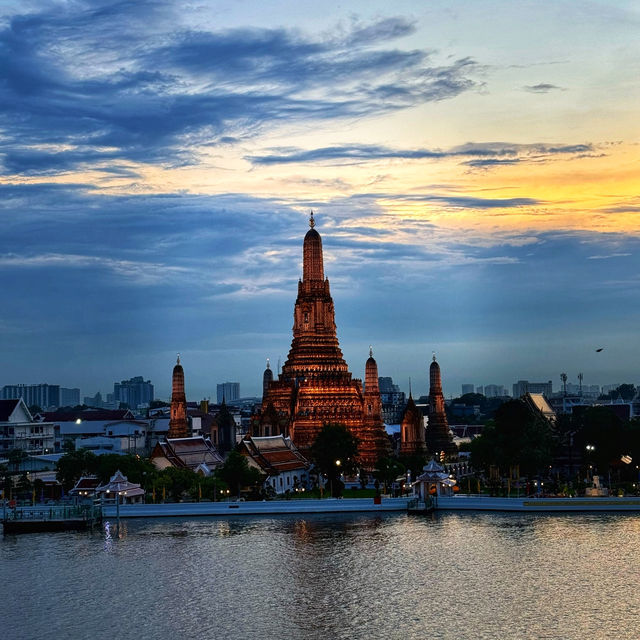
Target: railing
x,y
72,512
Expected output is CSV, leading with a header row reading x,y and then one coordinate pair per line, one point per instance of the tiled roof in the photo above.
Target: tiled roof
x,y
188,452
6,409
275,454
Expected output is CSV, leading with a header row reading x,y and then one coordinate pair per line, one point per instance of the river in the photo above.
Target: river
x,y
457,576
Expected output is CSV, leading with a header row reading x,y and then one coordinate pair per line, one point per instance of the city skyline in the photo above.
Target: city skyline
x,y
473,169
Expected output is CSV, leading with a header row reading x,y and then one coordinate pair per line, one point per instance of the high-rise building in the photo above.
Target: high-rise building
x,y
94,401
69,397
228,391
393,400
178,421
45,396
524,386
494,390
315,385
467,388
135,392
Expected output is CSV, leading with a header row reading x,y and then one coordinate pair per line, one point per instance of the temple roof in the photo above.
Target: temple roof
x,y
275,454
188,452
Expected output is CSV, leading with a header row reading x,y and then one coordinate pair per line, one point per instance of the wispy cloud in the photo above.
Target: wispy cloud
x,y
92,82
543,87
484,154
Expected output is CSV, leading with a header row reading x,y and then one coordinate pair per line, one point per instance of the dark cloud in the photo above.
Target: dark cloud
x,y
542,87
86,82
125,281
493,153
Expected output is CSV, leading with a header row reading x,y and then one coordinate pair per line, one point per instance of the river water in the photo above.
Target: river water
x,y
328,576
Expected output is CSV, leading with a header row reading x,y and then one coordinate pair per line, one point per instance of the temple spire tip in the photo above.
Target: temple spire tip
x,y
370,351
312,222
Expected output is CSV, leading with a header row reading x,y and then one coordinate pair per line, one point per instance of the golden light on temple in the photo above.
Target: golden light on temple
x,y
315,386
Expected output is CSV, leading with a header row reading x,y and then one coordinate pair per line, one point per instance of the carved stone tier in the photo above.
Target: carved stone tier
x,y
315,386
438,436
178,422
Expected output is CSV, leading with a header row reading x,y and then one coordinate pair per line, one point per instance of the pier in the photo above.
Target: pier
x,y
50,518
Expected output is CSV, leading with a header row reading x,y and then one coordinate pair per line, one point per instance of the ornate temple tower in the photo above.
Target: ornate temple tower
x,y
438,437
267,379
178,424
373,439
315,386
412,439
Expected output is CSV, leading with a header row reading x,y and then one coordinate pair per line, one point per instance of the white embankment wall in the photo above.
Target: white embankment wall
x,y
328,505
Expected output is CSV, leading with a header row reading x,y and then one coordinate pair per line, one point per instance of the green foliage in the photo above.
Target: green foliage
x,y
334,452
177,482
15,458
387,470
414,463
334,442
601,428
626,391
68,446
138,470
73,465
82,462
237,473
516,437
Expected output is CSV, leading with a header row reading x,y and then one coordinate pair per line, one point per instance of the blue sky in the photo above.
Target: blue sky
x,y
473,166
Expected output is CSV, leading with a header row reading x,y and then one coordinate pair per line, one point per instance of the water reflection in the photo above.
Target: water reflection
x,y
330,576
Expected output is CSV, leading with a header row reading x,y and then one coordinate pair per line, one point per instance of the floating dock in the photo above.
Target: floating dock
x,y
38,519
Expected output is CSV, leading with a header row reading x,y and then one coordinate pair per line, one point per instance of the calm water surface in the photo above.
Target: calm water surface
x,y
328,576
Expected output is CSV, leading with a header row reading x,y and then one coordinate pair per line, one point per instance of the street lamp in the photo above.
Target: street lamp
x,y
590,449
338,463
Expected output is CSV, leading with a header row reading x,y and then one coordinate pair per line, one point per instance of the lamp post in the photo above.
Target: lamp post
x,y
590,449
338,463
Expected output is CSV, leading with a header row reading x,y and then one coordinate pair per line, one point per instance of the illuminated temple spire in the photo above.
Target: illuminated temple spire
x,y
439,440
374,443
178,423
313,268
315,386
267,379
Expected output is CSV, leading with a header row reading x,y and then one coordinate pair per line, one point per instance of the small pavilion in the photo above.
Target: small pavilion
x,y
433,480
119,485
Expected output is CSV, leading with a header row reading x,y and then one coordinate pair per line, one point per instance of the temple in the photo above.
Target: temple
x,y
315,386
178,423
267,379
412,439
438,438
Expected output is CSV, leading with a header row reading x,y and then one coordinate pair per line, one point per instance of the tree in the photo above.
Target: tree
x,y
237,473
516,437
387,470
75,464
15,458
135,468
334,451
625,391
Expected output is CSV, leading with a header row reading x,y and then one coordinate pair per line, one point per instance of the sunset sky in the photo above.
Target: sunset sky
x,y
473,167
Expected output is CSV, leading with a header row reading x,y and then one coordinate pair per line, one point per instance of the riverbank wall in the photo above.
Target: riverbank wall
x,y
487,503
270,507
